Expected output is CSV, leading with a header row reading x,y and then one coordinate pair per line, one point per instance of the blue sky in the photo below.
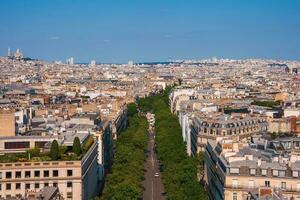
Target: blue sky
x,y
151,30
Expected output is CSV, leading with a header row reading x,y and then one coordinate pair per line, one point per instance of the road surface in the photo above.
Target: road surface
x,y
153,187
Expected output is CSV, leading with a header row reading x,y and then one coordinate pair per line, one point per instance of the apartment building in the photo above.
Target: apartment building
x,y
7,122
75,179
206,127
243,171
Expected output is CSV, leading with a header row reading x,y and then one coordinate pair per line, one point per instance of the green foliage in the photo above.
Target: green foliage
x,y
35,155
269,104
54,151
127,172
131,109
6,158
77,146
89,142
279,134
33,152
63,149
145,105
179,171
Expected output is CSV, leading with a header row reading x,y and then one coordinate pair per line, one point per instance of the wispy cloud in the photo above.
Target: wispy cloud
x,y
54,38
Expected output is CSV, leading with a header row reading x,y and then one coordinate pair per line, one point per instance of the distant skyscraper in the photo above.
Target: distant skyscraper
x,y
130,63
93,63
8,52
70,61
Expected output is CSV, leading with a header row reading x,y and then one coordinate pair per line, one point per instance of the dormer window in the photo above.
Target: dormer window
x,y
281,173
295,173
275,172
252,171
234,170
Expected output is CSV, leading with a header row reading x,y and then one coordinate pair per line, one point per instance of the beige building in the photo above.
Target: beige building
x,y
283,125
7,123
242,171
209,126
76,179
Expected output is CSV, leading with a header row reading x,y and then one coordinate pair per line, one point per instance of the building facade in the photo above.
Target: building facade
x,y
76,179
239,171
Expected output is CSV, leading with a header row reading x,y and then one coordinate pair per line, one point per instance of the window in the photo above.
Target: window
x,y
27,186
46,184
55,173
69,195
27,174
235,183
36,173
0,175
234,170
69,184
69,172
251,184
252,171
298,186
8,186
267,183
275,172
283,185
54,184
264,172
36,185
8,175
40,144
18,174
295,173
281,173
234,196
18,186
46,173
16,145
0,187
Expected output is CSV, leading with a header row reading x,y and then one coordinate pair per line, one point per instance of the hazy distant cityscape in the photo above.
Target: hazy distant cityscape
x,y
238,121
149,100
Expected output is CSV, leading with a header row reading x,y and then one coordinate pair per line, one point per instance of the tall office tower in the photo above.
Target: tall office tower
x,y
93,63
72,61
8,52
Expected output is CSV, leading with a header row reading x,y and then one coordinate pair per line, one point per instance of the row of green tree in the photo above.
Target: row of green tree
x,y
57,152
179,171
269,104
127,172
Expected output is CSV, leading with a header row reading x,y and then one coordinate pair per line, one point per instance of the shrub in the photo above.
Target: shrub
x,y
54,151
77,146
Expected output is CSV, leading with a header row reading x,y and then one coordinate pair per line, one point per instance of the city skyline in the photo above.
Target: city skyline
x,y
116,31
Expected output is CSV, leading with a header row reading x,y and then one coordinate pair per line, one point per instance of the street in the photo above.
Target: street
x,y
153,187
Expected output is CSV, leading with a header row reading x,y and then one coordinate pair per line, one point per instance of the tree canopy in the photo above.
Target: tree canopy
x,y
124,180
179,171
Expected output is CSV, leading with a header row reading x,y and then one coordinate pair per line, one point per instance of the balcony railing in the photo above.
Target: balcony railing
x,y
255,187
